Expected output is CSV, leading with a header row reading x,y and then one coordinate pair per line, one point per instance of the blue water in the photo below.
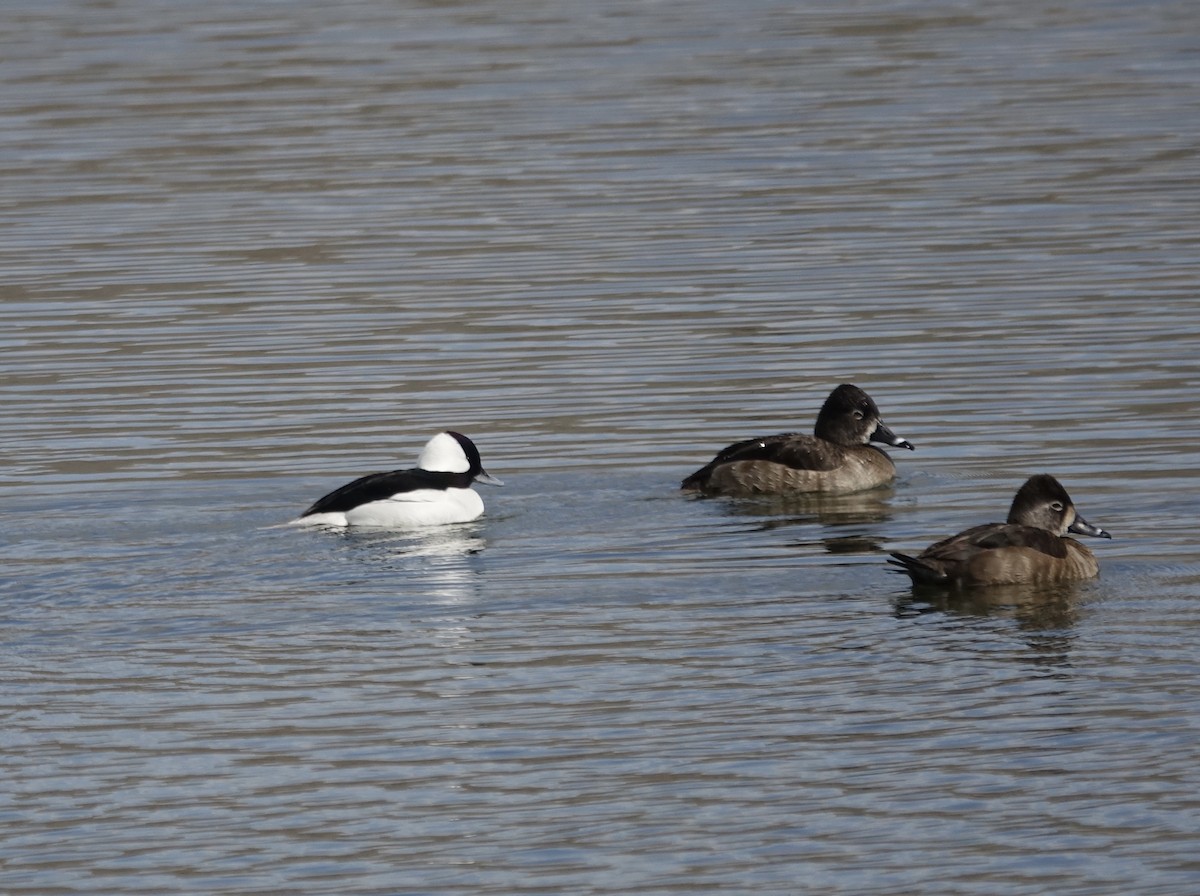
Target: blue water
x,y
256,250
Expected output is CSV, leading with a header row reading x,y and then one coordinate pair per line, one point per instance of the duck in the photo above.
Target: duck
x,y
437,491
1031,548
836,459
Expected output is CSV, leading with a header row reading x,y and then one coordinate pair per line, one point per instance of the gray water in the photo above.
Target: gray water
x,y
254,250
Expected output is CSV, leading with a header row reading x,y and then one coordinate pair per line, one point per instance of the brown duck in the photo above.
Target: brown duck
x,y
1031,548
835,459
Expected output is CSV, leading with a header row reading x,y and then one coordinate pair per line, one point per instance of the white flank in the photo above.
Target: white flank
x,y
424,507
407,510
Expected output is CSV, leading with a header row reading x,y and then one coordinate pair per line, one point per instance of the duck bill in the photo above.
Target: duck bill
x,y
487,478
887,437
1083,527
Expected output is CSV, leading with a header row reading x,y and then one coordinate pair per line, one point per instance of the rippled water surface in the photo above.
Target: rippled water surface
x,y
254,250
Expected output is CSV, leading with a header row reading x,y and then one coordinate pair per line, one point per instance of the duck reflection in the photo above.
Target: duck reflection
x,y
442,541
439,561
837,512
829,510
1037,609
1046,616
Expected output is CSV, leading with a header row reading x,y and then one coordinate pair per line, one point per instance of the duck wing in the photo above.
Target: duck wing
x,y
960,548
1010,535
939,563
792,449
945,561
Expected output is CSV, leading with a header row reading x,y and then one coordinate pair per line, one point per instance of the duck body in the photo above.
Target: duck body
x,y
836,459
435,492
793,463
1031,548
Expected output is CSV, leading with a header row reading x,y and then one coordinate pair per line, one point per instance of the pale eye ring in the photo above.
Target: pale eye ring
x,y
858,415
1056,506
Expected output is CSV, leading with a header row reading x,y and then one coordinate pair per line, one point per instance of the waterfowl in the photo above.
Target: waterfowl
x,y
436,491
835,459
1032,547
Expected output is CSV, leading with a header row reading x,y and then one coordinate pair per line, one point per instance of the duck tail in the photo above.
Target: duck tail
x,y
918,570
697,481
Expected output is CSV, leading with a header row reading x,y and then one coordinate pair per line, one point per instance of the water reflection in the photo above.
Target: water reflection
x,y
391,544
830,510
853,544
859,513
1034,609
438,563
1045,618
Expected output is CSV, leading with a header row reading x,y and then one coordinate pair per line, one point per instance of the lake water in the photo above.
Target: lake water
x,y
254,250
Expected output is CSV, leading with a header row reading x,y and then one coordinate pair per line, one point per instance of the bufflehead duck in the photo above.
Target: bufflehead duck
x,y
436,491
836,459
1031,548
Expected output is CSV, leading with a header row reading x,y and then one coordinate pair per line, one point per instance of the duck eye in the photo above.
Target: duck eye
x,y
858,415
1057,507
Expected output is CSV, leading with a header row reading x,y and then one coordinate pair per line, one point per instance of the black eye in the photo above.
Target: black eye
x,y
1057,507
858,415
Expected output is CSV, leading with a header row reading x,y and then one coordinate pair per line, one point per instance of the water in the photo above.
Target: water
x,y
254,250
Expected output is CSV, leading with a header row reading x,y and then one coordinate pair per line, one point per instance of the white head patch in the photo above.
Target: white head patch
x,y
443,454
